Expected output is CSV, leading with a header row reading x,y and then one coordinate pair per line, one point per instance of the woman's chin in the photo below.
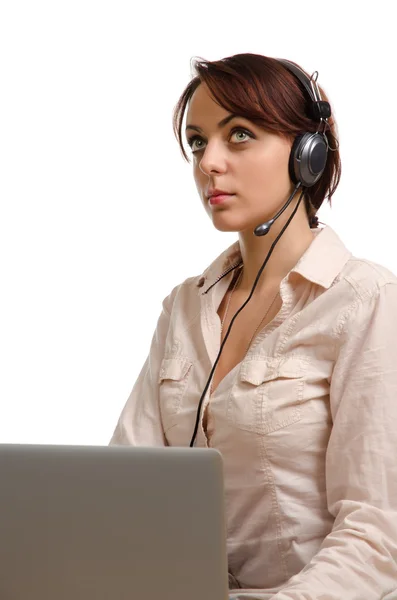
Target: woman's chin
x,y
229,226
225,227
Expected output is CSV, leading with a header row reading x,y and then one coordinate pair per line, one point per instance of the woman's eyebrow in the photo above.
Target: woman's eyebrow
x,y
221,124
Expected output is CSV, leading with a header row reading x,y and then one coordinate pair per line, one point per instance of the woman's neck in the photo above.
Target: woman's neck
x,y
291,246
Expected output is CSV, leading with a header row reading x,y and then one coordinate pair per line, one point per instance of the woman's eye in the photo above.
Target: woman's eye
x,y
192,141
237,132
243,132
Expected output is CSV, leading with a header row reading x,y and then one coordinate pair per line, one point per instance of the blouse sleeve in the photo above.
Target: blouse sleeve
x,y
140,423
358,559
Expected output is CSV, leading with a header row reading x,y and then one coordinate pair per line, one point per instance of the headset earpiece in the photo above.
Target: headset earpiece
x,y
308,158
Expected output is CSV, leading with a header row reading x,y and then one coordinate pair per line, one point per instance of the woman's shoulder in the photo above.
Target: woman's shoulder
x,y
366,276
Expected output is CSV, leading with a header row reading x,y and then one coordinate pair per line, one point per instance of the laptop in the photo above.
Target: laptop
x,y
111,523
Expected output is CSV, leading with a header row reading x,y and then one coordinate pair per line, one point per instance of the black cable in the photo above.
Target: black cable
x,y
238,312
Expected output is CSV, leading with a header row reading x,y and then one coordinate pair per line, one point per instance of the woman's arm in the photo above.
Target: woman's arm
x,y
358,559
140,423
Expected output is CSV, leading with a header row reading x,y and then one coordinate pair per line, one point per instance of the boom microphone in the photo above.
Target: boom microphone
x,y
265,227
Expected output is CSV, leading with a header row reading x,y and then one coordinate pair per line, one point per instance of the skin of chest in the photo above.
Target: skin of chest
x,y
259,312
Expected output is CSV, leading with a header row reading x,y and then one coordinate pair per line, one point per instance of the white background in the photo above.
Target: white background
x,y
100,217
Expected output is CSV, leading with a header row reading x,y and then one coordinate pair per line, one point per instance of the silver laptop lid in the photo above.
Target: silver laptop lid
x,y
111,523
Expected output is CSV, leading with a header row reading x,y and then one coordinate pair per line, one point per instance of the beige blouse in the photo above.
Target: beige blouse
x,y
306,423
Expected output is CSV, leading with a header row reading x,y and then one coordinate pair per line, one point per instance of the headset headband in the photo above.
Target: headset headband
x,y
320,109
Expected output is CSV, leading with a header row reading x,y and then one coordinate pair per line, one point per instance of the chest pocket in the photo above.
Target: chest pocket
x,y
173,381
267,394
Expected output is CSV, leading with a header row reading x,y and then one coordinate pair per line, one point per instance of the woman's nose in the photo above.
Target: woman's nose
x,y
213,159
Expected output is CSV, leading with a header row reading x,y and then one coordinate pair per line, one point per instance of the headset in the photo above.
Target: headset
x,y
306,164
309,150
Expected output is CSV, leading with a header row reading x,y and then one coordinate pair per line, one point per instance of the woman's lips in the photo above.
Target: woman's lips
x,y
219,199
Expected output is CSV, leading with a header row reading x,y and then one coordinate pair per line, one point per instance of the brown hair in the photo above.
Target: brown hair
x,y
263,90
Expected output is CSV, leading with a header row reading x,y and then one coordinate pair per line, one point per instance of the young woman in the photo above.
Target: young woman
x,y
302,399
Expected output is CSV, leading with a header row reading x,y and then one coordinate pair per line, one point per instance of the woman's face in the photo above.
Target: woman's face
x,y
237,157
